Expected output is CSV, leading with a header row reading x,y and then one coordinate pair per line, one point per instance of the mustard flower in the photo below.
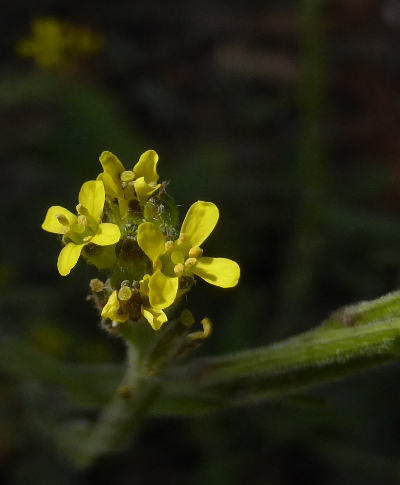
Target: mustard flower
x,y
184,257
121,305
82,229
139,183
54,44
112,309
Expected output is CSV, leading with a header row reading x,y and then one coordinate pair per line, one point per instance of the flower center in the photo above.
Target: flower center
x,y
177,257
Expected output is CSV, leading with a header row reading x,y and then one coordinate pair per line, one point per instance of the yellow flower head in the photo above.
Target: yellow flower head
x,y
54,43
121,303
154,264
84,228
139,183
173,260
113,310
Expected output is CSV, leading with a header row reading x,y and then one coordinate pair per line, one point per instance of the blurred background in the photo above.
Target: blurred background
x,y
285,114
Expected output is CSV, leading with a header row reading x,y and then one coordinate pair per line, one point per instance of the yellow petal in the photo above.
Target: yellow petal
x,y
151,240
51,223
111,165
143,189
111,176
107,234
218,271
68,257
162,290
92,196
155,317
111,306
147,166
111,309
199,223
112,187
144,285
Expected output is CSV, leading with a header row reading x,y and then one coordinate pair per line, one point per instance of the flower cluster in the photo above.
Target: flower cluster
x,y
55,44
126,224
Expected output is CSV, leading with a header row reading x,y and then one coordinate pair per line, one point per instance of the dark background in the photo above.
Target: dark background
x,y
286,115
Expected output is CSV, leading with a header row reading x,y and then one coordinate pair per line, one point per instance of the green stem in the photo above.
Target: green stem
x,y
358,337
149,354
119,420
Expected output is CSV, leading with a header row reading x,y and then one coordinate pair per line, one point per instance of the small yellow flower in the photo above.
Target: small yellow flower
x,y
82,229
118,306
112,309
155,316
54,43
184,256
140,182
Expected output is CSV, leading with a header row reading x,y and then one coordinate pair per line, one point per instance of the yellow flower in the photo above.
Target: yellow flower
x,y
82,229
140,182
183,257
120,302
155,316
54,44
112,309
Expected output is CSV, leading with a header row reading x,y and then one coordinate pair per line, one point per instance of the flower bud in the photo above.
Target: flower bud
x,y
187,318
96,285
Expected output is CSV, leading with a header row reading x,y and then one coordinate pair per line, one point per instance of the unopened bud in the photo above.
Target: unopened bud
x,y
125,293
187,318
96,285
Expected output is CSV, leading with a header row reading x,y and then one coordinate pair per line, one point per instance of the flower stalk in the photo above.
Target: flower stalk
x,y
149,355
357,337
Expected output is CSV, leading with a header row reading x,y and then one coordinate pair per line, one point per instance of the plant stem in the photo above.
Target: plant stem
x,y
361,336
123,415
149,353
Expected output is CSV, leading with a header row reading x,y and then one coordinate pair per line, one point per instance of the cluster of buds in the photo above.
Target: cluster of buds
x,y
127,225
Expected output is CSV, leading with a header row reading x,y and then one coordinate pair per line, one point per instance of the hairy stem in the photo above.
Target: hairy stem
x,y
119,420
148,356
358,337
